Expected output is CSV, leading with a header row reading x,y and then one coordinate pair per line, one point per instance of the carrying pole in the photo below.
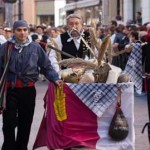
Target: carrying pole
x,y
59,51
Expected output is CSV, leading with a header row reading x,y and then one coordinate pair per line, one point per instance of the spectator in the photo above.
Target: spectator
x,y
119,20
120,41
138,19
8,33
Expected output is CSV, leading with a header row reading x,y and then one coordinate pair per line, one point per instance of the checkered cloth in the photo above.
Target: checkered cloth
x,y
97,96
134,67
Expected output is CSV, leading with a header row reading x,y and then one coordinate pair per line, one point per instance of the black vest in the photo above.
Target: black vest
x,y
70,47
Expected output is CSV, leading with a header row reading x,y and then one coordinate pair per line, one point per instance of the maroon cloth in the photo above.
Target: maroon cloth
x,y
147,36
79,129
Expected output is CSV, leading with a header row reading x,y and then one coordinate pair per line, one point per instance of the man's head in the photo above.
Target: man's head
x,y
8,32
39,29
118,18
138,14
20,23
74,22
134,36
20,29
113,23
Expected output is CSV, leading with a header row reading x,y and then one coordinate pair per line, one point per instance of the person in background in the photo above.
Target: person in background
x,y
113,23
61,29
42,38
134,37
133,41
138,19
2,37
54,56
146,64
25,60
53,32
119,20
8,33
120,41
32,29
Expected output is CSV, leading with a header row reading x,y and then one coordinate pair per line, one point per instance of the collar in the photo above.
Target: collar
x,y
19,46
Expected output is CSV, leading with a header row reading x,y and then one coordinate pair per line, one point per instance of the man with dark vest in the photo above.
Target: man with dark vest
x,y
71,41
75,40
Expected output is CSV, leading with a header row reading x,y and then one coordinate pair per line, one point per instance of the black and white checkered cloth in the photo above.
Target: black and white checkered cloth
x,y
134,67
97,96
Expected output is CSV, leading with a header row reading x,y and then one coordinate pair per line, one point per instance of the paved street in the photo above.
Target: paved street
x,y
141,117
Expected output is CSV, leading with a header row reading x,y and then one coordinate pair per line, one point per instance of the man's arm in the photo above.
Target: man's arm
x,y
58,42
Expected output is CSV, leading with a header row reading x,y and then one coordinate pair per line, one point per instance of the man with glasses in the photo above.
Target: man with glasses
x,y
25,58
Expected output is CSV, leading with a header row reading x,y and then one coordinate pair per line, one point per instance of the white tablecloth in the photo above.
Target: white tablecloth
x,y
127,104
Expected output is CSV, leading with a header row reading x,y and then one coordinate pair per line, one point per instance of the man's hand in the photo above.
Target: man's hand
x,y
115,45
59,82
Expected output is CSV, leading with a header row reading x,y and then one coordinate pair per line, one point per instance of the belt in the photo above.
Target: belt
x,y
21,84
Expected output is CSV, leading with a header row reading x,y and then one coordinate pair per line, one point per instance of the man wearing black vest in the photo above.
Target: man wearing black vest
x,y
71,41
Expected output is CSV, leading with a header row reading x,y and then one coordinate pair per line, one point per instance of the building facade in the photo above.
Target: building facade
x,y
125,8
43,11
106,10
54,12
2,12
89,10
37,11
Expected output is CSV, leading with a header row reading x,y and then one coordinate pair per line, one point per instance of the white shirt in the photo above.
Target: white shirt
x,y
2,39
53,58
75,40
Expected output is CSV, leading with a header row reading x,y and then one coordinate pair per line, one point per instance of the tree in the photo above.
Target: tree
x,y
9,1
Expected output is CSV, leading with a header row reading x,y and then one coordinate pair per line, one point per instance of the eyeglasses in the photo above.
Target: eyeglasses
x,y
19,29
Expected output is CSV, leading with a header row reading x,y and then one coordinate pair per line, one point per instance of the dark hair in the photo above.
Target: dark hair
x,y
40,27
135,34
114,22
120,28
34,37
118,17
32,29
132,27
139,13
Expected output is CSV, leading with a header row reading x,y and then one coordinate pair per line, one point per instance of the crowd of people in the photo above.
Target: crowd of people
x,y
120,34
26,49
